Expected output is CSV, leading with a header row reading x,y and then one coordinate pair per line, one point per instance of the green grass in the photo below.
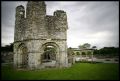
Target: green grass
x,y
78,71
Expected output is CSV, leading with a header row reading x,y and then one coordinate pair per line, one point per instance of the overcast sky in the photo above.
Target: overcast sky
x,y
93,22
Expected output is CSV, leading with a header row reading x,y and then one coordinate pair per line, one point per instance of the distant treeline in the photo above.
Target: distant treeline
x,y
7,48
107,51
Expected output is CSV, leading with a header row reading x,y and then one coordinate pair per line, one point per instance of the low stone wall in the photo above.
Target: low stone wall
x,y
95,59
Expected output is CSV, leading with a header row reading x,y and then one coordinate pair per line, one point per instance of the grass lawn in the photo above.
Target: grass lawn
x,y
78,71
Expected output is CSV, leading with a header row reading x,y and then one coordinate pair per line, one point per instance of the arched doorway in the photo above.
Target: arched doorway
x,y
50,54
22,52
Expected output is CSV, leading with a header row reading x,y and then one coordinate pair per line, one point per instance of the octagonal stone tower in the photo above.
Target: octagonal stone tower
x,y
40,39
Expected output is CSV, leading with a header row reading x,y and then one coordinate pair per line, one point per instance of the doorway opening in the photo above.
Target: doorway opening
x,y
49,54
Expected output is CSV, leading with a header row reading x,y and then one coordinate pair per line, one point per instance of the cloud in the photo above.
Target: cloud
x,y
94,22
95,19
8,20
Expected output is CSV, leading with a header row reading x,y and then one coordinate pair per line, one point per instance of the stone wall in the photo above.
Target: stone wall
x,y
38,29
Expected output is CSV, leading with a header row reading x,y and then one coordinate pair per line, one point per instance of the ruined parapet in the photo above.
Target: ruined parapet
x,y
35,19
37,30
19,23
35,9
60,20
60,23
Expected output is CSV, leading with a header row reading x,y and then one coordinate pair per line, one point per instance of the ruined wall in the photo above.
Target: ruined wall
x,y
35,18
37,29
57,25
19,23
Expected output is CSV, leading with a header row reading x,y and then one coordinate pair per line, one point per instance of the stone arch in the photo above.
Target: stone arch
x,y
22,52
54,57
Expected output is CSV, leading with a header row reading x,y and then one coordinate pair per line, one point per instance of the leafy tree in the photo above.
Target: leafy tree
x,y
84,46
80,47
96,51
111,51
7,48
94,47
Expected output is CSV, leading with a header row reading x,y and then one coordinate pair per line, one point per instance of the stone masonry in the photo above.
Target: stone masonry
x,y
35,31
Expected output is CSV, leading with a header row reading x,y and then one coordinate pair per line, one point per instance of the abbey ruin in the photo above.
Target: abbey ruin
x,y
40,39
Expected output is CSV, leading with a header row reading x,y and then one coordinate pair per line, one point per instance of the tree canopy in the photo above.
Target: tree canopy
x,y
84,46
107,51
7,48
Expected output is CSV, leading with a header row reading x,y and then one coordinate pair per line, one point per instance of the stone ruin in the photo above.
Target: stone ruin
x,y
40,40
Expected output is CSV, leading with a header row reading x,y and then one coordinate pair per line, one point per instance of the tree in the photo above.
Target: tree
x,y
110,51
8,48
80,47
84,46
94,47
96,51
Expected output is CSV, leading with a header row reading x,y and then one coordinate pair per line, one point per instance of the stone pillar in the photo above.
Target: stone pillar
x,y
86,55
73,59
31,61
92,56
37,60
58,59
19,62
81,56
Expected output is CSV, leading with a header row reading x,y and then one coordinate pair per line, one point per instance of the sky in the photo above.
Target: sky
x,y
93,22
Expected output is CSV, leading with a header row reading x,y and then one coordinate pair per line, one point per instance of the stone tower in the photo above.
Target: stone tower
x,y
40,39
